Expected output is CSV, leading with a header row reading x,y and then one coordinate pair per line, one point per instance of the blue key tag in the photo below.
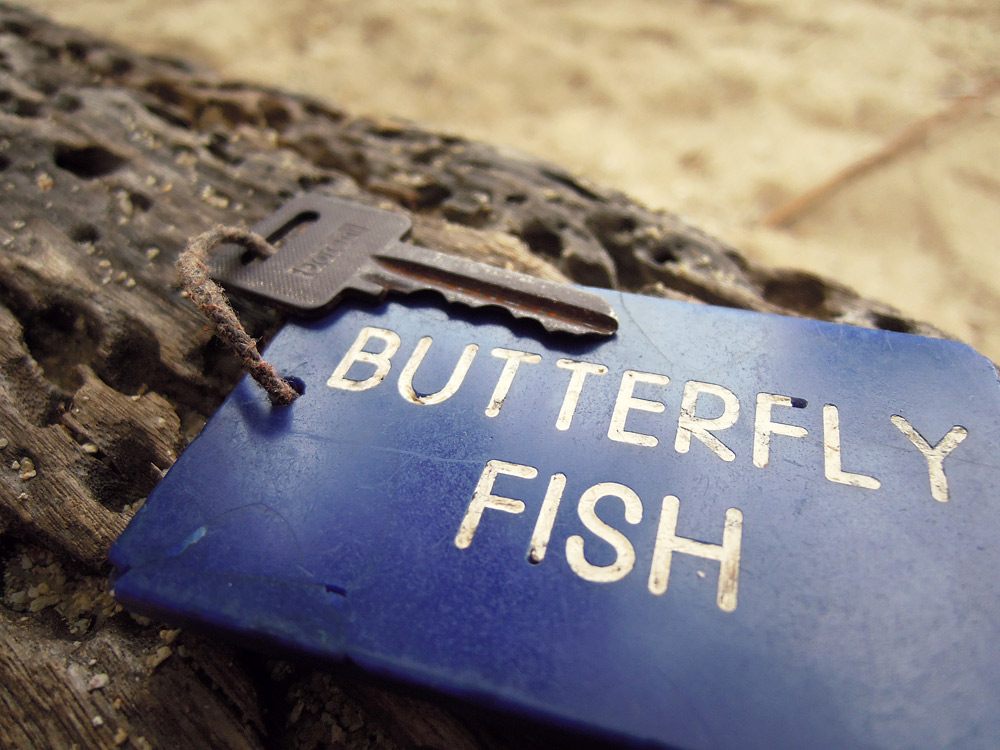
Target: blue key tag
x,y
716,529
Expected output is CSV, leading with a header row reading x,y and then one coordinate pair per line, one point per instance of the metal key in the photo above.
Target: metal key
x,y
331,248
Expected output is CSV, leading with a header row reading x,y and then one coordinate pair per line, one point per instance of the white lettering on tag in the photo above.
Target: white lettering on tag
x,y
514,359
626,401
764,427
546,517
449,389
580,372
667,542
624,551
689,425
935,455
832,454
357,353
726,554
483,497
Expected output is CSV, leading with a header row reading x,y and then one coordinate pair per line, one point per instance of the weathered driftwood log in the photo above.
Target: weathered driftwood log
x,y
109,162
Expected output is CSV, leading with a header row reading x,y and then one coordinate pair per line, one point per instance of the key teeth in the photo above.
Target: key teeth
x,y
579,329
560,308
603,323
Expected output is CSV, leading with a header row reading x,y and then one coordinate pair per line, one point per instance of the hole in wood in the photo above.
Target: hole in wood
x,y
26,108
67,102
88,162
797,290
667,251
892,323
84,233
542,240
60,337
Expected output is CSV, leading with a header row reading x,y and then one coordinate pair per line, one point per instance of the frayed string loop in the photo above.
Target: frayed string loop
x,y
192,267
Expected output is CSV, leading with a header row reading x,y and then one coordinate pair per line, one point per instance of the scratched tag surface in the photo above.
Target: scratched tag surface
x,y
717,529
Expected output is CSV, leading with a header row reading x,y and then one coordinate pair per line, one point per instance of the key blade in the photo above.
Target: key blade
x,y
559,307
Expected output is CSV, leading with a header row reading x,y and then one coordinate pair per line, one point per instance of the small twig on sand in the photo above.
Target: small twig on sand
x,y
792,210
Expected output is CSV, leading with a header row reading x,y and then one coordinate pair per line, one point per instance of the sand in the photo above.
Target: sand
x,y
721,111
